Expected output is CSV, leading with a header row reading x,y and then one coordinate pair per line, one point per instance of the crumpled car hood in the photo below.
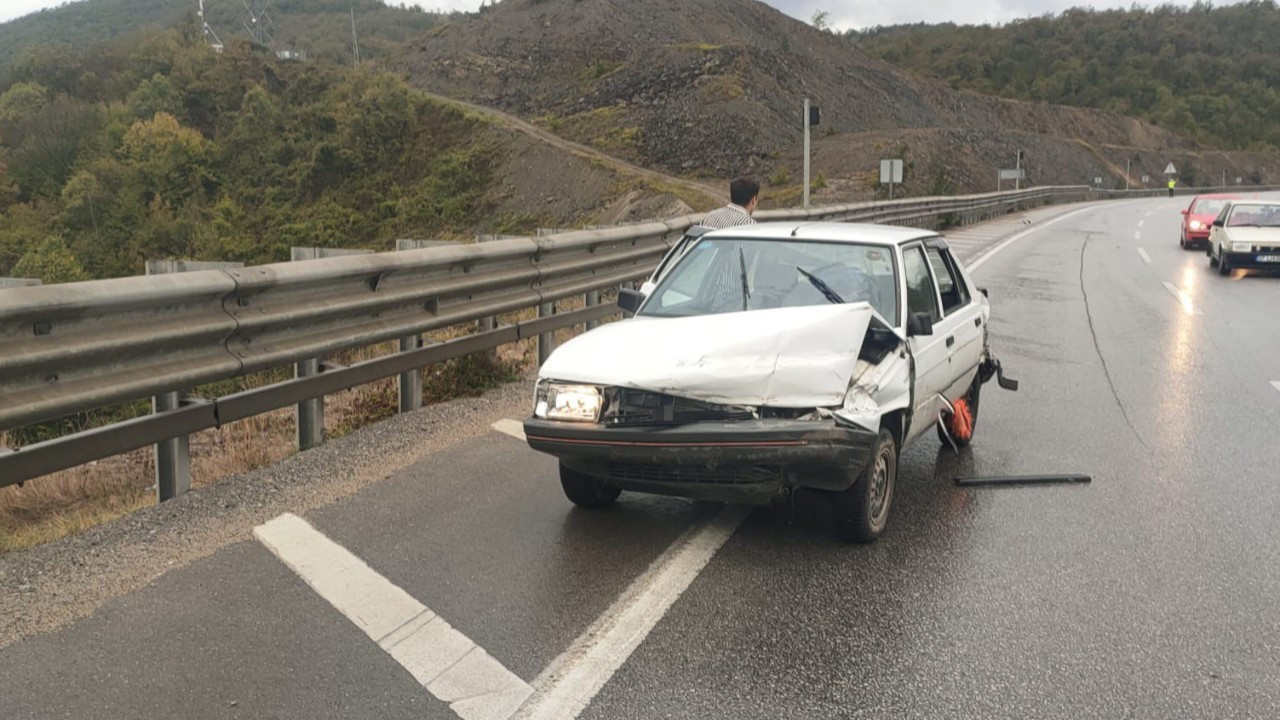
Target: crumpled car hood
x,y
800,357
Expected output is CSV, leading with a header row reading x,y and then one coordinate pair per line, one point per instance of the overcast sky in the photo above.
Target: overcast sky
x,y
844,13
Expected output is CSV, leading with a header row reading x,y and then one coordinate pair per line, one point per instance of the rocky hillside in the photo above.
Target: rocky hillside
x,y
714,87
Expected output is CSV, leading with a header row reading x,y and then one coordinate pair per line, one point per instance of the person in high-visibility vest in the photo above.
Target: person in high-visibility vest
x,y
1172,183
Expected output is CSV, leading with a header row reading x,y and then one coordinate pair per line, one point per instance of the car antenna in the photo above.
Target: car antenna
x,y
796,230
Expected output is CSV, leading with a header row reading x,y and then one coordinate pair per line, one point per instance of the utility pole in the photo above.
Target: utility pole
x,y
1017,179
1128,163
805,119
355,41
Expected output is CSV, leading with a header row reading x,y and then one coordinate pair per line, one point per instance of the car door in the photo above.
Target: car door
x,y
961,325
930,352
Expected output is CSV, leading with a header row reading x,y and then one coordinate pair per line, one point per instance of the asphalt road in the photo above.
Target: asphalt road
x,y
1149,593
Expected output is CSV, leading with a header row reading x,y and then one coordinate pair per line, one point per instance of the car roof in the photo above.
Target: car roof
x,y
867,233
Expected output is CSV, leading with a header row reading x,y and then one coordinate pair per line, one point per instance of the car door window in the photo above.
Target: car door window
x,y
950,285
921,294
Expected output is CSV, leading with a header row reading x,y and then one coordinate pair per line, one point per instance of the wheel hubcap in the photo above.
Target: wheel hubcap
x,y
880,486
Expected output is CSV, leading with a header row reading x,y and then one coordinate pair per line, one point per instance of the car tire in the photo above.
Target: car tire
x,y
974,396
586,491
1182,242
862,511
1223,267
1213,261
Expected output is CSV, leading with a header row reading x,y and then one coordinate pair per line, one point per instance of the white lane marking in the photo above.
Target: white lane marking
x,y
1148,213
1183,298
973,266
451,667
569,683
1137,235
1145,257
1141,223
1275,384
514,428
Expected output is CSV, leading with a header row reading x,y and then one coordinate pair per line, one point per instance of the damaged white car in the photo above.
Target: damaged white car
x,y
767,358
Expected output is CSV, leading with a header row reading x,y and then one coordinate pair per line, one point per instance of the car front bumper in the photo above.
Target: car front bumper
x,y
753,461
1266,259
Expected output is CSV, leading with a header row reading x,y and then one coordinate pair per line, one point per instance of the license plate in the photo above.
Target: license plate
x,y
1269,258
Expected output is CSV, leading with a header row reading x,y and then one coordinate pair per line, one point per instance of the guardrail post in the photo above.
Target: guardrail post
x,y
173,456
310,412
593,299
411,381
547,340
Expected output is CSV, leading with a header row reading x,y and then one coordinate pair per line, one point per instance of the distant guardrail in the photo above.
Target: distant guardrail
x,y
81,346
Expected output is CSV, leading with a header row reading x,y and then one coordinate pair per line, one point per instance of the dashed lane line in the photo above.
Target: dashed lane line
x,y
451,667
1145,257
1275,384
514,428
1183,299
1137,235
567,686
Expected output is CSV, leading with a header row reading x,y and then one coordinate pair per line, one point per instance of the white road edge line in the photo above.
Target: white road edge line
x,y
570,682
451,667
514,428
973,266
1275,384
1183,299
1145,257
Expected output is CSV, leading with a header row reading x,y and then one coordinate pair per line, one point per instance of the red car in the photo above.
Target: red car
x,y
1198,218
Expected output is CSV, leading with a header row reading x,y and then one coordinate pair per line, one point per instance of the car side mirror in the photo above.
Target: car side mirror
x,y
984,292
1184,212
630,300
919,324
1217,223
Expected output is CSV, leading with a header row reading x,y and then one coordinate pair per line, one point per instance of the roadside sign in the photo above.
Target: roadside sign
x,y
1146,179
890,171
1097,180
1017,174
1171,170
1239,180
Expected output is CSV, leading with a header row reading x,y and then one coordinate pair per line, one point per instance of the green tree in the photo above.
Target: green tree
x,y
153,95
51,262
21,101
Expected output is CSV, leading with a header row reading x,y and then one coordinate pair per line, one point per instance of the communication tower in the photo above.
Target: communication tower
x,y
258,22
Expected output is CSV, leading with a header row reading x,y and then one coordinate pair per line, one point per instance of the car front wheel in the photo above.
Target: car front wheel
x,y
586,491
1223,267
862,511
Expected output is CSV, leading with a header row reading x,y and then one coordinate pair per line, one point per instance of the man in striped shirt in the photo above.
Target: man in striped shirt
x,y
744,195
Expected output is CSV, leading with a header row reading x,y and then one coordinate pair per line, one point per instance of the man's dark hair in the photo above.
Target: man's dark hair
x,y
742,190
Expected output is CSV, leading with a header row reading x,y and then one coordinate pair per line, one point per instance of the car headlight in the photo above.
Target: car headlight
x,y
1196,225
1238,246
569,403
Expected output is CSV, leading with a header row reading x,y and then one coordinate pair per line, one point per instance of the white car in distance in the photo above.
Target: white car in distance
x,y
1246,234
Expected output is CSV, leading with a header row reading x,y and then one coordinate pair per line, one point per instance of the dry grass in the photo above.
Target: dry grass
x,y
70,501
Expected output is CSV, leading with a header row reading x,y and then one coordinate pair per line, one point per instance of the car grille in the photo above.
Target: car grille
x,y
640,407
739,475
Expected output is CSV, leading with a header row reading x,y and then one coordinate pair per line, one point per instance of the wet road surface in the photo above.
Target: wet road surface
x,y
1149,593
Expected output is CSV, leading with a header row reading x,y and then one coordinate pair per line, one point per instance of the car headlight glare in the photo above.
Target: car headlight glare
x,y
1196,225
569,403
1241,247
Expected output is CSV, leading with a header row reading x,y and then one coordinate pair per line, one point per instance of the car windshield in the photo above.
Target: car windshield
x,y
1208,207
1255,215
730,275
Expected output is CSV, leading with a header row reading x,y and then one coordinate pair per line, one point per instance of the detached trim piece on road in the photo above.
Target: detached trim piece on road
x,y
1023,480
450,666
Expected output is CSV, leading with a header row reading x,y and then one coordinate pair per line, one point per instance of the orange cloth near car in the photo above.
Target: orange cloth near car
x,y
960,424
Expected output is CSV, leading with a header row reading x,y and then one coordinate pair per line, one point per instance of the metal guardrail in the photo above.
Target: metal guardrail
x,y
80,346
